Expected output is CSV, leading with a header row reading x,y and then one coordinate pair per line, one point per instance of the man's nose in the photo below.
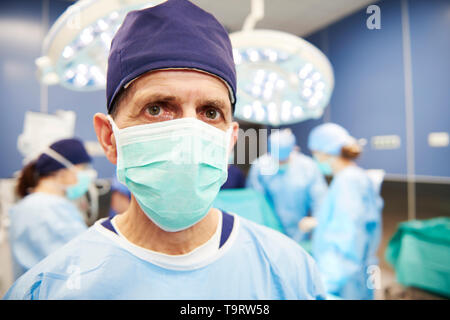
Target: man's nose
x,y
189,111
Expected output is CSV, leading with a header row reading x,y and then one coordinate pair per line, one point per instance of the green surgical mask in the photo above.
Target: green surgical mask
x,y
324,167
77,190
173,168
84,177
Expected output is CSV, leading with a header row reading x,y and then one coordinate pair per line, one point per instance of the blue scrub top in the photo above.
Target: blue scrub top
x,y
40,224
255,262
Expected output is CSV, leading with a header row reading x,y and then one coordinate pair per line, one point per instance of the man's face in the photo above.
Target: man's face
x,y
168,95
174,94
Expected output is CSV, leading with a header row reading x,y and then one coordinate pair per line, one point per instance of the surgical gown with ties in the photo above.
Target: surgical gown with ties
x,y
253,262
40,224
347,236
294,190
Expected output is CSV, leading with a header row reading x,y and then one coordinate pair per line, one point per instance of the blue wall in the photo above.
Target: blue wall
x,y
369,96
21,35
430,45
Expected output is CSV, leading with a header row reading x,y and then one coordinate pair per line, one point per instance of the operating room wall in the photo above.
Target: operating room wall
x,y
369,97
23,25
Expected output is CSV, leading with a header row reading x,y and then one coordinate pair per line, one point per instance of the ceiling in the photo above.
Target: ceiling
x,y
300,17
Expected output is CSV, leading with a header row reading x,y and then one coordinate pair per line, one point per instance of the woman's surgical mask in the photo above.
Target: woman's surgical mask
x,y
84,177
84,180
325,166
173,168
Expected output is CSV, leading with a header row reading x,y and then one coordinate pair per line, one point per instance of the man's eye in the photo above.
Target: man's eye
x,y
154,110
212,114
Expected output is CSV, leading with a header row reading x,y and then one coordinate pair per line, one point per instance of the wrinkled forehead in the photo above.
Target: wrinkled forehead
x,y
179,72
175,88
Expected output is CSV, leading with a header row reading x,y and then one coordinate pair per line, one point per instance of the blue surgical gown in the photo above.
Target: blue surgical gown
x,y
254,263
293,191
347,236
40,224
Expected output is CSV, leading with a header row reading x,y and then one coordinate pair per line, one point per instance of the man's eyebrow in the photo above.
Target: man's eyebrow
x,y
216,103
156,97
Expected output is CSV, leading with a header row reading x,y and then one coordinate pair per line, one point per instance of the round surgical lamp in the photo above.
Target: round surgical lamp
x,y
282,78
75,50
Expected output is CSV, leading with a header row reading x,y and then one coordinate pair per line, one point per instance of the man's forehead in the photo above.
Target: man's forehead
x,y
167,83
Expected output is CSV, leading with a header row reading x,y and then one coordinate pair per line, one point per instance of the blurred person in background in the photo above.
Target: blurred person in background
x,y
348,224
45,218
296,189
236,178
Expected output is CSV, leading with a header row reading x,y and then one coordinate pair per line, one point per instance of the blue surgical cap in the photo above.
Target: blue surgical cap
x,y
329,138
281,144
71,149
173,35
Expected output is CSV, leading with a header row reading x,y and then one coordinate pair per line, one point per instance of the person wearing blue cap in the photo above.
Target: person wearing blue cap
x,y
120,198
171,90
348,224
45,219
236,178
296,189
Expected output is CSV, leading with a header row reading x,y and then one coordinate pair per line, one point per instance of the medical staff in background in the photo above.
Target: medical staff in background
x,y
296,189
45,218
120,198
348,224
170,131
236,178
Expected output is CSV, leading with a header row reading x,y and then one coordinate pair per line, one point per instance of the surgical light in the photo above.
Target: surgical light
x,y
282,78
279,70
75,50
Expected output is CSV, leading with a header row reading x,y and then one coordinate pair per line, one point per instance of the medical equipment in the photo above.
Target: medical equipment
x,y
75,50
282,78
420,253
7,199
42,129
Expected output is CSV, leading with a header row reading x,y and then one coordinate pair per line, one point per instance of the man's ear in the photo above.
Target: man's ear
x,y
105,136
234,135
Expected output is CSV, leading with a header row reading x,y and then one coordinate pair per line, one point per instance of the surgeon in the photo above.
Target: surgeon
x,y
120,198
348,230
171,90
295,187
46,218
